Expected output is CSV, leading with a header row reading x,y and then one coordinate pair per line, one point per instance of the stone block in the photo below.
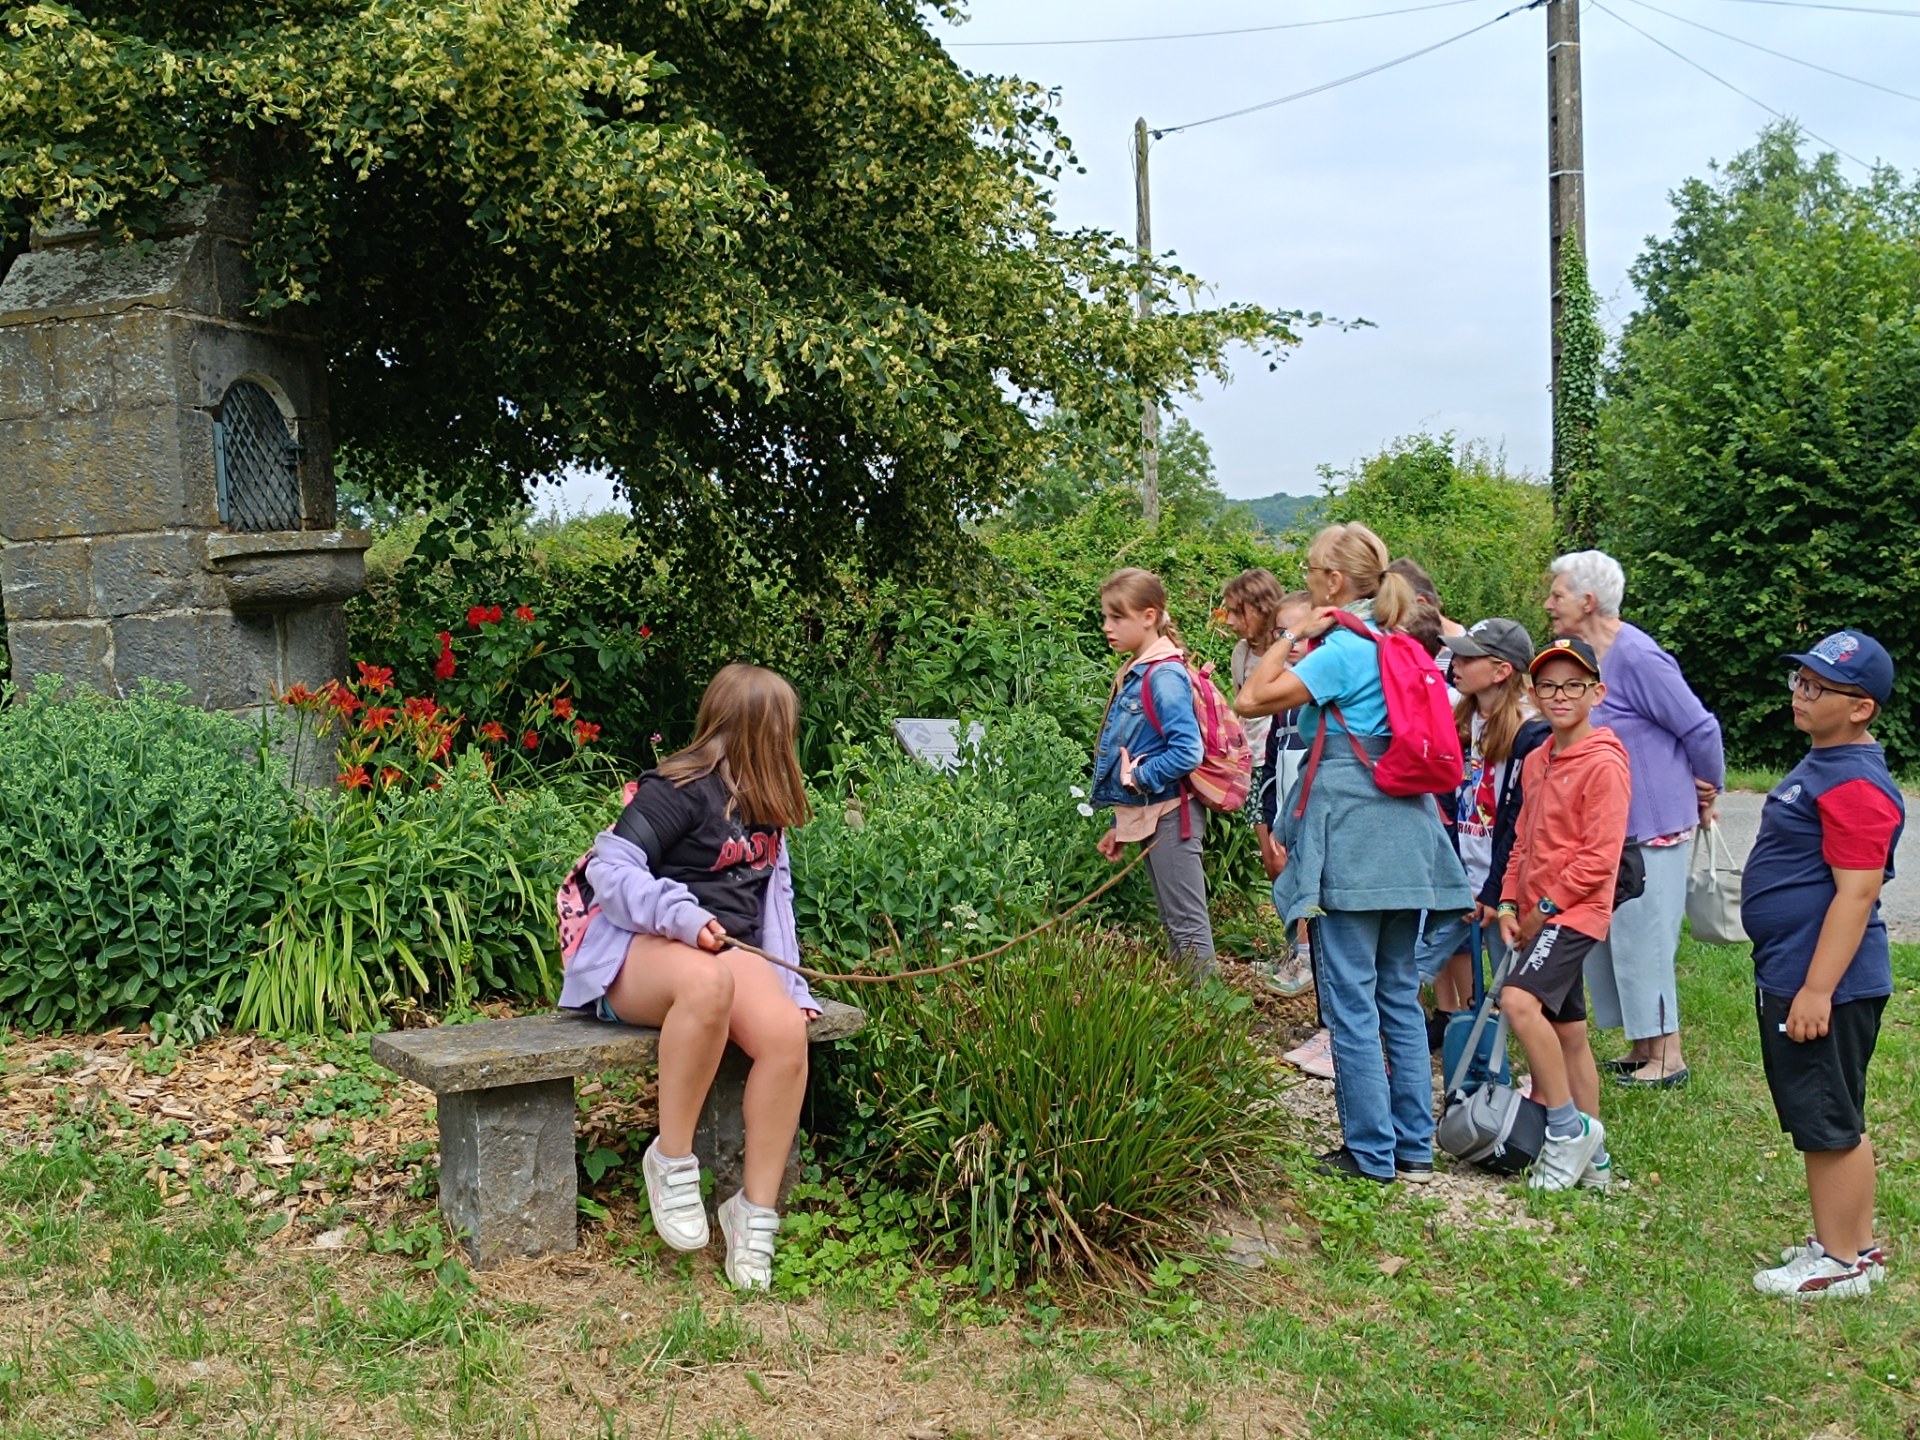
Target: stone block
x,y
506,1170
46,580
720,1134
81,650
290,569
226,662
110,472
137,574
151,360
82,365
65,281
26,373
313,646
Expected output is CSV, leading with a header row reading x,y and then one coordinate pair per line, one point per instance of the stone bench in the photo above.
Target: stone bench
x,y
506,1102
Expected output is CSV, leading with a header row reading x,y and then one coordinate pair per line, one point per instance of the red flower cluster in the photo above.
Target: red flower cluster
x,y
484,615
523,613
444,667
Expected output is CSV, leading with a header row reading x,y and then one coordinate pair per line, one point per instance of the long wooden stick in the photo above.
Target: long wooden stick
x,y
858,977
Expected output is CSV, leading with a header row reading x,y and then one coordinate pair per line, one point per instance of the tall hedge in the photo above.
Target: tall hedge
x,y
1763,446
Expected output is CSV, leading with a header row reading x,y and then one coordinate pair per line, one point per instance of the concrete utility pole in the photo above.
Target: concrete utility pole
x,y
1566,174
1149,407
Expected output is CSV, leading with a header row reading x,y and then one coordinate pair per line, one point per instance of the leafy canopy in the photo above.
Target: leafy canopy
x,y
785,270
1762,435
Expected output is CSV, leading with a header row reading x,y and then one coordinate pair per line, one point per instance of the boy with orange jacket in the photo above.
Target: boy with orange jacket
x,y
1557,903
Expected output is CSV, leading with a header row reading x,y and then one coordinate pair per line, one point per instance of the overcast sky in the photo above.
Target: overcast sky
x,y
1417,198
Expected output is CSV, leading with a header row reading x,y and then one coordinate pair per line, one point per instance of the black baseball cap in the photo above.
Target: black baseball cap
x,y
1847,657
1500,638
1576,650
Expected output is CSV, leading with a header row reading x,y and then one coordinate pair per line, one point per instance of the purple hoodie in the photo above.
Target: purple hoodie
x,y
635,901
1671,738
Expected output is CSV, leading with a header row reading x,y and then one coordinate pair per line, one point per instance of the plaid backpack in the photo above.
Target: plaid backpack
x,y
574,899
1225,773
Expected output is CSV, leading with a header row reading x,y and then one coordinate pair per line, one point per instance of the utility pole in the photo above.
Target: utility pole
x,y
1149,406
1566,173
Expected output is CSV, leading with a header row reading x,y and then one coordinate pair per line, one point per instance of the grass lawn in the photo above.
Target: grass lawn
x,y
174,1263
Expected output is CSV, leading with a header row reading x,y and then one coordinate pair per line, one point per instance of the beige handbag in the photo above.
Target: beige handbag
x,y
1713,889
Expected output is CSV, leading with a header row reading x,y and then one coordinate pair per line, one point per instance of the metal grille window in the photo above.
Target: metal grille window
x,y
258,463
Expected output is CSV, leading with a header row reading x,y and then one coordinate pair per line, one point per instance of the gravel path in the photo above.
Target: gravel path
x,y
1899,903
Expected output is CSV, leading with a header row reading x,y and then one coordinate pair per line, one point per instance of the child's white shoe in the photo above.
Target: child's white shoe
x,y
748,1230
673,1195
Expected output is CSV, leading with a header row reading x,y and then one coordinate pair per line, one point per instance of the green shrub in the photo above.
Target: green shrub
x,y
1485,536
962,858
1072,1102
146,842
418,896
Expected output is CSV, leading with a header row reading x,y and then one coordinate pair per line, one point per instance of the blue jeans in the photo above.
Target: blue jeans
x,y
1370,1000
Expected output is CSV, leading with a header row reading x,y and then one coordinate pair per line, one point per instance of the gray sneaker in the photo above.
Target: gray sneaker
x,y
1562,1163
1291,976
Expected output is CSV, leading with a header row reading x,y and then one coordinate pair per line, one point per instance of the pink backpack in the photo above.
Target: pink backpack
x,y
1225,773
575,897
1423,754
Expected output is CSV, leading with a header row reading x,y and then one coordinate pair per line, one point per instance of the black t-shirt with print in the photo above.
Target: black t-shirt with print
x,y
707,848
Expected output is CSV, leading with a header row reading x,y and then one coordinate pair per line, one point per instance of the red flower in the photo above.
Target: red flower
x,y
375,677
493,730
563,708
445,747
646,632
585,732
343,700
477,616
531,739
389,775
355,779
299,696
377,718
495,615
444,667
419,707
522,613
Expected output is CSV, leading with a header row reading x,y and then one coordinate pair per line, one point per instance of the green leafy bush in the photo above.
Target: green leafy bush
x,y
1762,437
146,840
897,848
1485,536
428,896
1073,1102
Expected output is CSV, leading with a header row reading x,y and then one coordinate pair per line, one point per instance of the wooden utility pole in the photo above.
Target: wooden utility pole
x,y
1149,406
1566,174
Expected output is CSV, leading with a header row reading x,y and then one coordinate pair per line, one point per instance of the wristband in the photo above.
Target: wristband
x,y
1507,907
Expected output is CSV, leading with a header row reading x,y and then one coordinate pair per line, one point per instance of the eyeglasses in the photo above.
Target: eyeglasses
x,y
1813,689
1572,689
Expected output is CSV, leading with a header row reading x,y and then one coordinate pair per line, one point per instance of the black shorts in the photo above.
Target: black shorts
x,y
1552,968
1820,1086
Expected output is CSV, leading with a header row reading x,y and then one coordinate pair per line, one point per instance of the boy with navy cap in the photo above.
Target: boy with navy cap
x,y
1810,900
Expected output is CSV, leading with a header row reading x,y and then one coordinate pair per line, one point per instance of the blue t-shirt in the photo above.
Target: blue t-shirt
x,y
1837,809
1343,670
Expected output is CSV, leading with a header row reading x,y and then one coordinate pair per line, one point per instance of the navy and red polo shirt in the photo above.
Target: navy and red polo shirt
x,y
1838,809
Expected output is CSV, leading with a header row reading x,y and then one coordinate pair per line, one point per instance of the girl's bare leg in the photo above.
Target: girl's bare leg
x,y
689,995
773,1032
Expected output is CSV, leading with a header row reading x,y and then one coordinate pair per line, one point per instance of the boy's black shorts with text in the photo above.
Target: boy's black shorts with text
x,y
1820,1086
1552,968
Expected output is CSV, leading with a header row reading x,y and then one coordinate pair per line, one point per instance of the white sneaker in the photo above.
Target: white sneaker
x,y
673,1194
1598,1175
1875,1257
1816,1276
1562,1163
1284,977
748,1230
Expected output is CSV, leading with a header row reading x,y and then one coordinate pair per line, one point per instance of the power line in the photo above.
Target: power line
x,y
1718,80
1349,79
1822,5
1202,34
1780,54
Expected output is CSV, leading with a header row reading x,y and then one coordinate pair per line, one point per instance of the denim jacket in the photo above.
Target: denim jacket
x,y
1163,757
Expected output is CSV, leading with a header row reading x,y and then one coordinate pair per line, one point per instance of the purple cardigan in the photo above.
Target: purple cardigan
x,y
635,901
1671,738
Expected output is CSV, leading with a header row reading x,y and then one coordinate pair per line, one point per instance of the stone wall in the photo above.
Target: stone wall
x,y
113,365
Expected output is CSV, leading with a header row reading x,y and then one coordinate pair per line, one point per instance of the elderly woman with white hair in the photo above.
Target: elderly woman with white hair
x,y
1679,767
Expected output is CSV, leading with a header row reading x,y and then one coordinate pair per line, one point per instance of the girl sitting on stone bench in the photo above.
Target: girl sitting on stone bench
x,y
697,858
